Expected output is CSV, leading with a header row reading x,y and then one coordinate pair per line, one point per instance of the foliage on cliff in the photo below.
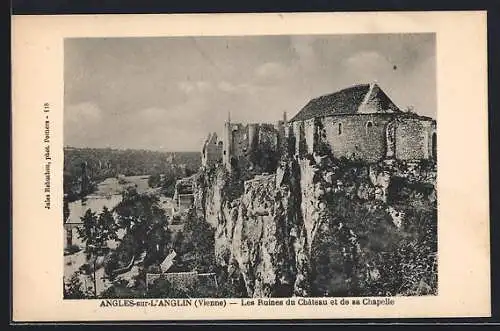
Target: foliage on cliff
x,y
195,248
74,288
360,249
325,226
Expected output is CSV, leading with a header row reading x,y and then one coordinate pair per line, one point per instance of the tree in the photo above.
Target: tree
x,y
138,214
73,288
154,180
145,222
156,244
119,289
198,242
96,231
107,224
66,211
111,263
168,184
88,232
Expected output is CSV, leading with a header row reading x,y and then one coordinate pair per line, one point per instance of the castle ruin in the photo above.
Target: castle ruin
x,y
359,122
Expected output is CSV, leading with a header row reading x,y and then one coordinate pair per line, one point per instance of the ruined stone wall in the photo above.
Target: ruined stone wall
x,y
356,138
364,136
432,131
299,137
281,136
212,151
226,143
296,132
236,144
253,145
268,136
240,142
309,129
253,136
414,139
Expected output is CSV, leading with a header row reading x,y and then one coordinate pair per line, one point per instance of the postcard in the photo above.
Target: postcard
x,y
250,166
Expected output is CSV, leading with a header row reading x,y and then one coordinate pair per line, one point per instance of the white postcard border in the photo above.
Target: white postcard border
x,y
463,196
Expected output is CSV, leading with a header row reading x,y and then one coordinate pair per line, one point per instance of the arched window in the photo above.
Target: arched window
x,y
369,126
340,128
434,145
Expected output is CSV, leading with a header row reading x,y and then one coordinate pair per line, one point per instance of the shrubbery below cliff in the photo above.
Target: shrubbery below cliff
x,y
324,226
360,251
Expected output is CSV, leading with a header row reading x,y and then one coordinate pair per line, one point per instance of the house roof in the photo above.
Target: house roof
x,y
185,280
346,101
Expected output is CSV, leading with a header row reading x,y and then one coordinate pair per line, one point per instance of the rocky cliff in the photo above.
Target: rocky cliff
x,y
320,226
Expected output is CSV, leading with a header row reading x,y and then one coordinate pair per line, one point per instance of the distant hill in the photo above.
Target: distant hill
x,y
102,163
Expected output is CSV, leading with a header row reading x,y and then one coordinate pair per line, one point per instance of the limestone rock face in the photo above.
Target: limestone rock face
x,y
275,227
261,230
259,243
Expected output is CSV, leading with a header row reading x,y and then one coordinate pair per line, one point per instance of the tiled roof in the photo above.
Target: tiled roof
x,y
185,280
346,101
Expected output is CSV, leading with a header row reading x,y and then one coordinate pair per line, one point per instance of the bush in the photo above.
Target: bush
x,y
86,269
120,290
368,255
198,242
154,180
73,289
111,263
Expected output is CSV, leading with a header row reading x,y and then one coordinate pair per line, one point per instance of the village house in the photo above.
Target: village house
x,y
183,194
185,280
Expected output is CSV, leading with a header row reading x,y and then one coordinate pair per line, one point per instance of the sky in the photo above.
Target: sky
x,y
168,93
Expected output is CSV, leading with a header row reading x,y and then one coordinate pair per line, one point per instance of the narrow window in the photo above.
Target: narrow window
x,y
434,145
340,128
369,125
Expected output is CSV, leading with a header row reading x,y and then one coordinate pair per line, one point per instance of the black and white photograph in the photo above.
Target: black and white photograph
x,y
258,166
250,167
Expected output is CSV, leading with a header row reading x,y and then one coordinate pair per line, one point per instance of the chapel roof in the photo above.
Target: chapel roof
x,y
346,101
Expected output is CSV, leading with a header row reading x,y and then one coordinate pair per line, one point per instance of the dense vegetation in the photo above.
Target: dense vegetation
x,y
102,163
358,250
145,227
148,238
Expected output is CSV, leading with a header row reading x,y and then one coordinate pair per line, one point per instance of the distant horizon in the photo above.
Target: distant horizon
x,y
132,149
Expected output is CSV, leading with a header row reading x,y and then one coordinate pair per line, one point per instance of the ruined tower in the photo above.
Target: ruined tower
x,y
226,142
